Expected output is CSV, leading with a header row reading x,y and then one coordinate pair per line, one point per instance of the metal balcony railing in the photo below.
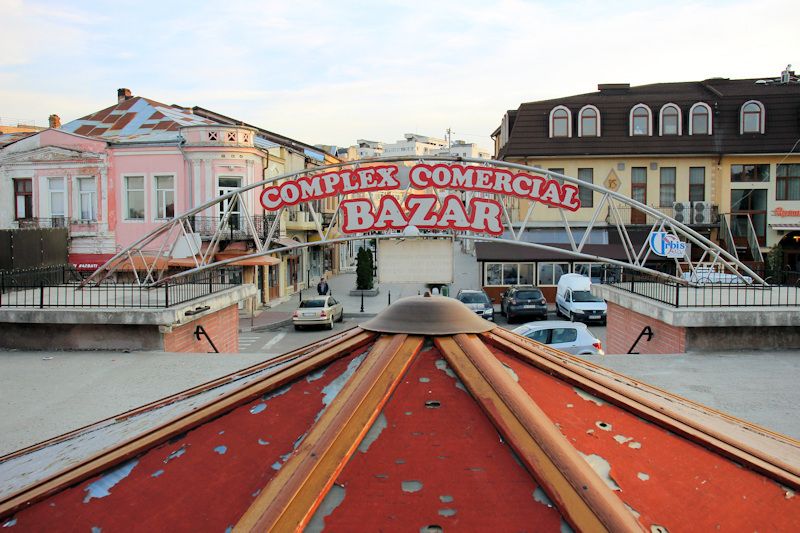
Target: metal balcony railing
x,y
703,215
235,228
57,222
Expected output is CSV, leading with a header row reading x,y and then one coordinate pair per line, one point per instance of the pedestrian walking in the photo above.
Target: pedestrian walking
x,y
322,287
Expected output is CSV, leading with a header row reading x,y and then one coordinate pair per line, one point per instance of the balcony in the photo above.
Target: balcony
x,y
235,229
74,225
300,221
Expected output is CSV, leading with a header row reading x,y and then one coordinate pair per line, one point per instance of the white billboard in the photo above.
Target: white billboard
x,y
415,260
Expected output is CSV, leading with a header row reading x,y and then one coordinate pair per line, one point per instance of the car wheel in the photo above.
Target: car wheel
x,y
330,324
571,317
296,327
510,318
502,311
341,316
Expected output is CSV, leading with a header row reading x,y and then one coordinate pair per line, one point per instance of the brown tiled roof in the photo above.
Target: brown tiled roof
x,y
529,133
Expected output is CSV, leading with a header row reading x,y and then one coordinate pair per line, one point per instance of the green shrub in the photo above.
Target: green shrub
x,y
364,268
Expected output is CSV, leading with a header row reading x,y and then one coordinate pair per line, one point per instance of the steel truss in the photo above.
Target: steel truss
x,y
149,257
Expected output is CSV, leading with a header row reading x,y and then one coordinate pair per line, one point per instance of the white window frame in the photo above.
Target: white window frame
x,y
564,270
761,119
125,191
502,264
580,120
691,118
569,121
51,191
157,215
79,194
661,119
649,121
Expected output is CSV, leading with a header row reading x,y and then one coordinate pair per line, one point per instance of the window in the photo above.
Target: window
x,y
752,117
666,192
697,184
641,120
757,173
559,180
550,273
670,122
165,197
540,335
134,197
23,198
561,335
787,185
585,194
749,205
55,187
87,199
560,122
589,122
509,274
700,119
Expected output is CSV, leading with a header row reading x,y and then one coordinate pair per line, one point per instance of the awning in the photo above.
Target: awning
x,y
264,260
141,263
282,242
187,262
89,262
785,227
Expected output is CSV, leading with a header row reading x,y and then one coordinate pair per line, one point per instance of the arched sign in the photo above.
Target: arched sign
x,y
423,211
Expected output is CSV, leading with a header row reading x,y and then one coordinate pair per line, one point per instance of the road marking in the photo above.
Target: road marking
x,y
274,340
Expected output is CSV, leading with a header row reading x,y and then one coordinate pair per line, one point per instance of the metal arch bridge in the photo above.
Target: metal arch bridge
x,y
148,257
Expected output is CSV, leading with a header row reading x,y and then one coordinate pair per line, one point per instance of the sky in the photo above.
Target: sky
x,y
332,72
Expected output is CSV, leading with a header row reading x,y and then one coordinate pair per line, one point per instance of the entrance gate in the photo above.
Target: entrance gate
x,y
423,198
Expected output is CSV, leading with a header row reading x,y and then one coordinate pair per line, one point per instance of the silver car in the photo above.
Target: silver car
x,y
477,301
570,337
318,311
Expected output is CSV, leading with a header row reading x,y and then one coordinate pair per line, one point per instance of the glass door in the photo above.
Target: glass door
x,y
638,193
226,185
752,202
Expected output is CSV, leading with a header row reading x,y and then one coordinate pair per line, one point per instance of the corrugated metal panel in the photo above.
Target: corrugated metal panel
x,y
261,142
314,155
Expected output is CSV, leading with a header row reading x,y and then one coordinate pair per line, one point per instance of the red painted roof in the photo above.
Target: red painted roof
x,y
477,431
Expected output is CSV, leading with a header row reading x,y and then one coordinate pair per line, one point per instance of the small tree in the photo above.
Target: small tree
x,y
364,269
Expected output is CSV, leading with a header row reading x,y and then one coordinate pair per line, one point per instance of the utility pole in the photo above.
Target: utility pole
x,y
449,131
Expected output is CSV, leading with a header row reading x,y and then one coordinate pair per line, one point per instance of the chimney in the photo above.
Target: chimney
x,y
55,121
123,94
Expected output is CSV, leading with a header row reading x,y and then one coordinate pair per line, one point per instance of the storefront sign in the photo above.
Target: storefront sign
x,y
89,262
423,211
666,244
781,212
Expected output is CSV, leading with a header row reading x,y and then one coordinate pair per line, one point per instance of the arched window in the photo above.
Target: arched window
x,y
589,122
752,117
669,122
560,122
641,120
700,119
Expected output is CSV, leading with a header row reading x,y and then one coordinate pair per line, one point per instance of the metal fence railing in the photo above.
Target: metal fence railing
x,y
60,287
721,291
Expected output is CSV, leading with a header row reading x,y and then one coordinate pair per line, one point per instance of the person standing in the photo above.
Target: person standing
x,y
322,287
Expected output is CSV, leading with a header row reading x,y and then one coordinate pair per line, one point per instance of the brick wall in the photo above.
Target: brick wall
x,y
625,325
222,326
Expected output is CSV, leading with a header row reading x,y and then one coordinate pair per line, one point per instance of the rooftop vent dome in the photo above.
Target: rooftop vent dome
x,y
428,315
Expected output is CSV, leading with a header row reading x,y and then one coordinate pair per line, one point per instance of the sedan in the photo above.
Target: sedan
x,y
478,302
318,311
570,337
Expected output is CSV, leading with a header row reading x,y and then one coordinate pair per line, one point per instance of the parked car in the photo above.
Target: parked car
x,y
570,337
523,301
575,301
477,301
318,311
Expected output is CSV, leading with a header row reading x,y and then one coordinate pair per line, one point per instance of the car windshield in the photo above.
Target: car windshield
x,y
529,295
473,298
585,296
305,304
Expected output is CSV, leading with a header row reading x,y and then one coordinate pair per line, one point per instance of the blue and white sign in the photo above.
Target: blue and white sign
x,y
666,244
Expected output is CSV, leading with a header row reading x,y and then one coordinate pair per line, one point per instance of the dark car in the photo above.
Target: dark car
x,y
518,302
477,301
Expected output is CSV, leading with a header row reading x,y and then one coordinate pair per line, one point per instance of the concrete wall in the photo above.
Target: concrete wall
x,y
31,336
742,338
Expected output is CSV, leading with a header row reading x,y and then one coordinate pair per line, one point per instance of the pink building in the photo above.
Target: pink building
x,y
114,175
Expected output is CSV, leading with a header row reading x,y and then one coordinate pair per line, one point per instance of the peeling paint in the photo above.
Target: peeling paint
x,y
424,380
447,512
643,476
102,487
566,528
277,465
655,528
332,389
277,392
314,376
157,473
588,397
442,365
635,445
382,476
622,439
788,493
605,426
570,406
433,528
633,511
602,468
332,500
256,493
445,498
229,529
174,455
411,486
221,450
374,432
408,413
263,442
221,432
96,529
10,523
399,461
511,372
541,496
258,408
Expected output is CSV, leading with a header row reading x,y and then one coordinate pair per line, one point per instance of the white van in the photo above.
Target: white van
x,y
574,300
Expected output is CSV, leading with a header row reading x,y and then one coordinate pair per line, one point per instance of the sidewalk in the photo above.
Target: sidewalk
x,y
465,276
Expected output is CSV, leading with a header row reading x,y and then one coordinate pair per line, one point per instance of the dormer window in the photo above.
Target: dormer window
x,y
752,117
700,119
670,120
589,122
641,120
560,122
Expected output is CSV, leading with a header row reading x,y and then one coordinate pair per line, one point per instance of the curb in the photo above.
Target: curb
x,y
288,321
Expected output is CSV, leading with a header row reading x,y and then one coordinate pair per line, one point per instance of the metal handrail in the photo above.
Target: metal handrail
x,y
752,240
